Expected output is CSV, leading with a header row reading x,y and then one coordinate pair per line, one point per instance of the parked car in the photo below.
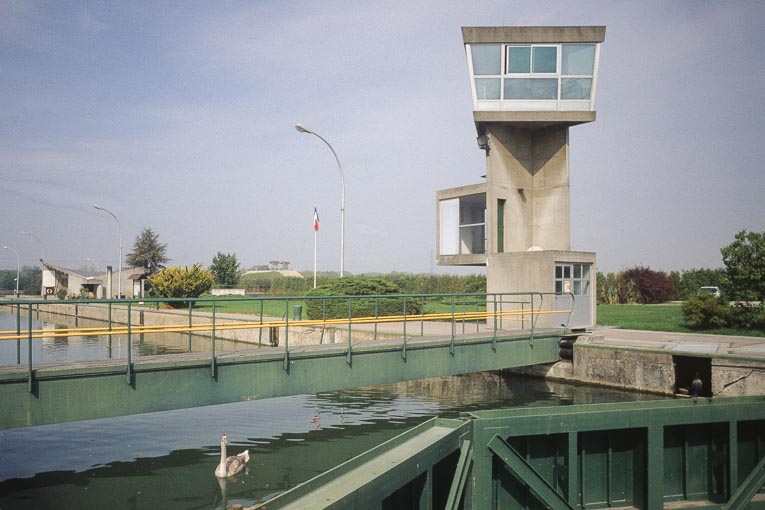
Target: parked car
x,y
710,290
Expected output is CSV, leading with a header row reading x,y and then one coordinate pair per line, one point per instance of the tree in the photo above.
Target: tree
x,y
182,282
744,261
148,252
649,286
225,267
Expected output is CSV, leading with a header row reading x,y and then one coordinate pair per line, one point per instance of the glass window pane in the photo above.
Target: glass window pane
x,y
578,58
487,58
487,88
558,287
586,288
449,227
566,271
545,59
518,59
586,271
558,272
531,88
577,288
577,270
575,88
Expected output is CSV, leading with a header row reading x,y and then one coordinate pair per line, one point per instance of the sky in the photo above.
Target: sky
x,y
179,116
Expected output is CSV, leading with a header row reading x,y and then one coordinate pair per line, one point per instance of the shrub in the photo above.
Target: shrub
x,y
649,286
358,286
706,311
182,282
747,316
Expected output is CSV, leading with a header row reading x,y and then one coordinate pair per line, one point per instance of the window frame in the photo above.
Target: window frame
x,y
532,104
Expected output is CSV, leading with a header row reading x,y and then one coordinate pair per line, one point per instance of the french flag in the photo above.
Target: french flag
x,y
315,220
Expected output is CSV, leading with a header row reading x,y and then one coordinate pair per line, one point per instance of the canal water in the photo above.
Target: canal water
x,y
166,460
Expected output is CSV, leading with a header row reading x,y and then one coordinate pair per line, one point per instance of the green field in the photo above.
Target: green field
x,y
275,307
667,317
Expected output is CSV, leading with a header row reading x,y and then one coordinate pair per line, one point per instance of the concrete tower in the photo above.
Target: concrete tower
x,y
529,86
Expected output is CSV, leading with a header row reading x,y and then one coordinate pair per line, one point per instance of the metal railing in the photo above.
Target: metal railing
x,y
390,315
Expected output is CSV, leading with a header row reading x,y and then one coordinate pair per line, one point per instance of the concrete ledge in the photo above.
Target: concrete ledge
x,y
560,34
532,119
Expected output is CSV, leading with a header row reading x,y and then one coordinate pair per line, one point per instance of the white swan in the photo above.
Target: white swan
x,y
229,466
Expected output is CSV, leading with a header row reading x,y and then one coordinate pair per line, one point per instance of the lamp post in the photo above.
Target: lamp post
x,y
119,268
39,241
18,268
303,129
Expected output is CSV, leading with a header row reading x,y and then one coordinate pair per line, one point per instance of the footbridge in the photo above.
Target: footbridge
x,y
419,337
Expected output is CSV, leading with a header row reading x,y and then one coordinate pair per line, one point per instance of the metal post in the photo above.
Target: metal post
x,y
188,339
494,336
29,346
348,356
451,345
286,334
377,308
109,341
732,458
464,311
403,347
212,344
130,345
573,481
422,317
655,471
260,330
533,322
18,334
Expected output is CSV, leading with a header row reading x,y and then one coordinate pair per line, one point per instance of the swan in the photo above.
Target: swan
x,y
229,466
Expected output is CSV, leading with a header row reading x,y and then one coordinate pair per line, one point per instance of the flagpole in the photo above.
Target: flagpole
x,y
315,235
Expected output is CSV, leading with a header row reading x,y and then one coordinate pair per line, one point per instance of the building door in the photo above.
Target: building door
x,y
574,279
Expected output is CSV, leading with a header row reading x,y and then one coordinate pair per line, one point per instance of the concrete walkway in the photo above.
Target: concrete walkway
x,y
680,342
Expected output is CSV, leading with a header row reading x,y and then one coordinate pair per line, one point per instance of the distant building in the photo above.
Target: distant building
x,y
90,284
529,85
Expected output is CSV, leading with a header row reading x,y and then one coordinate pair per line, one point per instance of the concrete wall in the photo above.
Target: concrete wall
x,y
648,371
529,170
535,270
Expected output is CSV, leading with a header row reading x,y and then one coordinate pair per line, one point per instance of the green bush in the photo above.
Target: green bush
x,y
706,312
747,316
182,282
360,307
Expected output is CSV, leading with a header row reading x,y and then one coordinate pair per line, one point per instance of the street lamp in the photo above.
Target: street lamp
x,y
119,268
303,129
39,241
18,268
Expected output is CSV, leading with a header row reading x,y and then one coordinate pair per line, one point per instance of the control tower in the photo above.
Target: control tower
x,y
529,86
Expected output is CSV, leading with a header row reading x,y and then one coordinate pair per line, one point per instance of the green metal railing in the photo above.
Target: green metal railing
x,y
487,310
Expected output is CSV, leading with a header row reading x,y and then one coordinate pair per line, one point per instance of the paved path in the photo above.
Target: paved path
x,y
685,342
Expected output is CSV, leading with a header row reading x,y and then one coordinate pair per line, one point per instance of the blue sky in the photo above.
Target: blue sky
x,y
179,116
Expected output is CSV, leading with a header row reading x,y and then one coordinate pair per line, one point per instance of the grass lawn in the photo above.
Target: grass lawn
x,y
276,307
271,307
658,318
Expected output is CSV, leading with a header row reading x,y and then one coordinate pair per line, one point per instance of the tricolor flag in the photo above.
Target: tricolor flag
x,y
315,220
